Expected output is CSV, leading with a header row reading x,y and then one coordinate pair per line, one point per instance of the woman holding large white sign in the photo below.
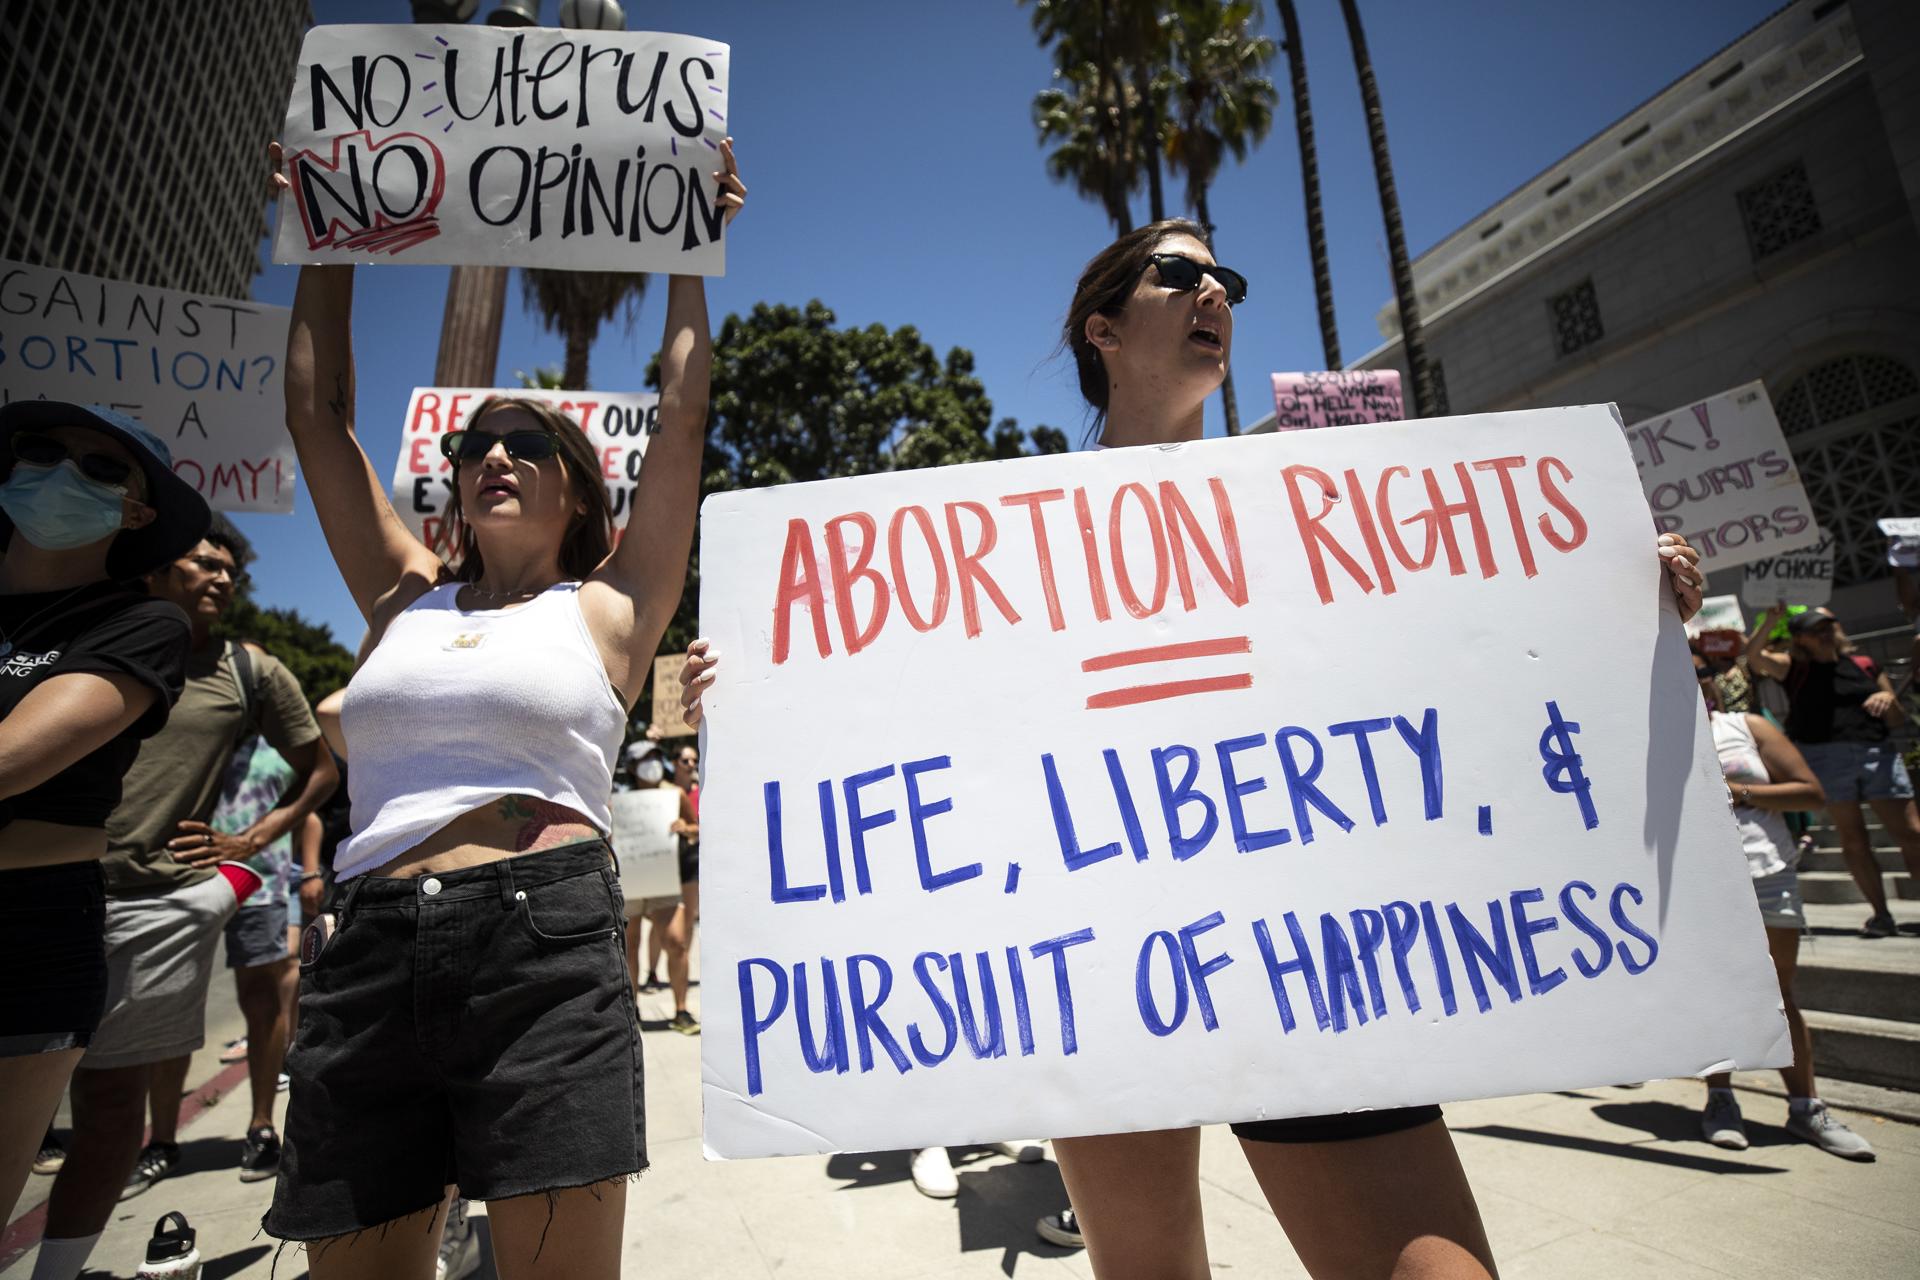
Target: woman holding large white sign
x,y
1366,1194
466,1019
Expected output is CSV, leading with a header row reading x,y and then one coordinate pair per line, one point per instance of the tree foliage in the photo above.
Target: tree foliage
x,y
319,662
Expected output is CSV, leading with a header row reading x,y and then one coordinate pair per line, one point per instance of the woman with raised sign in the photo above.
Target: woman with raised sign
x,y
465,1016
1373,1193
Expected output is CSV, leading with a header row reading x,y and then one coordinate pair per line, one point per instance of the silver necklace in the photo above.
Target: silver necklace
x,y
6,640
484,594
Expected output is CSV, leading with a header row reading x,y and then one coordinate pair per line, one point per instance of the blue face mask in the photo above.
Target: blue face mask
x,y
57,508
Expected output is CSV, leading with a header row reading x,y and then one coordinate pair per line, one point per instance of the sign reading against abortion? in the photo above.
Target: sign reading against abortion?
x,y
592,151
201,373
1719,473
1338,398
1244,778
617,423
1799,577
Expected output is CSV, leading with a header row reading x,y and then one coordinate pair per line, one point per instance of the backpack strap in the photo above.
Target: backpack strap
x,y
245,676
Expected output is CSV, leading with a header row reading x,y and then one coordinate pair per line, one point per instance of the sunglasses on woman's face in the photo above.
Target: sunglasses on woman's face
x,y
44,451
1181,274
532,445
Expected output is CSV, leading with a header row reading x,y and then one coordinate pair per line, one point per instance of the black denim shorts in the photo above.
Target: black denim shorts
x,y
474,1028
53,949
1341,1128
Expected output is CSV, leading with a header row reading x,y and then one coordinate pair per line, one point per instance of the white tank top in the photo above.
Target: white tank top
x,y
1763,833
454,709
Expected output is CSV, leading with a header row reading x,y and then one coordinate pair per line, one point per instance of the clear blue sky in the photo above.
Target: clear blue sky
x,y
895,176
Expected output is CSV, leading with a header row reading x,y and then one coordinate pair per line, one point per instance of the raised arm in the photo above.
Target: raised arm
x,y
1761,660
374,551
647,572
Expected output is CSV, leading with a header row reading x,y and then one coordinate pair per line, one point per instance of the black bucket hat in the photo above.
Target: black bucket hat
x,y
181,515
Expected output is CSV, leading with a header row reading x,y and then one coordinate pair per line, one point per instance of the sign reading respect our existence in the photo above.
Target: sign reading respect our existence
x,y
1336,398
1799,577
1719,473
524,147
201,373
617,423
1246,778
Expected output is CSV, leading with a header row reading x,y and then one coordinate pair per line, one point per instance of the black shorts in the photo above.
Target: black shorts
x,y
1342,1128
53,949
689,861
473,1028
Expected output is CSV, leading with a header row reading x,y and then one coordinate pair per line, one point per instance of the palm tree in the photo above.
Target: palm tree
x,y
1310,183
1223,106
574,304
1073,115
1403,293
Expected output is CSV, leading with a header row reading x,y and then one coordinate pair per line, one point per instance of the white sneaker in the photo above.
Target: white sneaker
x,y
459,1245
1824,1130
933,1174
1720,1122
1025,1150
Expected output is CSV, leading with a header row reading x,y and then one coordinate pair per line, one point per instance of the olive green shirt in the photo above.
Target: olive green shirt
x,y
176,777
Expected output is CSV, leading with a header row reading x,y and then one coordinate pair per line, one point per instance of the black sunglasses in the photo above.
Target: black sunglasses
x,y
1181,274
470,446
44,451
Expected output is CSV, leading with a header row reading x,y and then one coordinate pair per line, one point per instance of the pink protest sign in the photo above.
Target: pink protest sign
x,y
1337,398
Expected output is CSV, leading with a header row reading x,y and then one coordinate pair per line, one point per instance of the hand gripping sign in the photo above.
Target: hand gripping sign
x,y
509,147
201,373
618,425
1275,776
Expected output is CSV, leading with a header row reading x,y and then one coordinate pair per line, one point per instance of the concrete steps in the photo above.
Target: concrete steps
x,y
1861,996
1838,886
1827,857
1878,1051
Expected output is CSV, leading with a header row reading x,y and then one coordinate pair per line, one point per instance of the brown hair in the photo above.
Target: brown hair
x,y
1105,285
590,537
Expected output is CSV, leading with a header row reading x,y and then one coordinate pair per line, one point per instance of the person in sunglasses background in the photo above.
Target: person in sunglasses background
x,y
89,666
1370,1193
466,1021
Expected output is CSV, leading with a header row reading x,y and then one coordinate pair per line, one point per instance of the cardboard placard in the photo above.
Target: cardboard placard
x,y
1900,526
1720,474
618,424
1718,613
644,846
1336,398
1799,577
668,715
528,147
1113,791
201,373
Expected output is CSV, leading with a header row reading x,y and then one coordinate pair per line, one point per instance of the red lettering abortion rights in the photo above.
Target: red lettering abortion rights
x,y
930,567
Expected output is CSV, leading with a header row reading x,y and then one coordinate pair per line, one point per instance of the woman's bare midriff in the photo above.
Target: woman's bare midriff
x,y
503,828
28,842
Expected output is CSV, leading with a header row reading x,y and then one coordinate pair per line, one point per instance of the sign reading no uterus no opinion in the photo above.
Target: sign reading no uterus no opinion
x,y
1142,804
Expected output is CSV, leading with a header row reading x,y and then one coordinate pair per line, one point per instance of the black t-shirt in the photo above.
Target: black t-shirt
x,y
1829,701
108,629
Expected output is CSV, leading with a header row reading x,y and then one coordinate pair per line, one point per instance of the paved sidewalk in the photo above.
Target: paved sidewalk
x,y
1601,1182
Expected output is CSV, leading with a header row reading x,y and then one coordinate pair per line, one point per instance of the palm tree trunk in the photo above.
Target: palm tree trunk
x,y
1310,185
1229,403
1156,198
1390,213
574,375
1115,122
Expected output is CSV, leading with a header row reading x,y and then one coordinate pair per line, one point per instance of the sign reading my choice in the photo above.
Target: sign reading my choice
x,y
526,148
201,373
1247,778
618,425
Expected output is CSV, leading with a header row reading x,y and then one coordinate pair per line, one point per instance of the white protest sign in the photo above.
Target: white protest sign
x,y
1900,526
1719,473
1718,613
201,373
617,423
1799,577
644,846
1336,398
525,147
1117,791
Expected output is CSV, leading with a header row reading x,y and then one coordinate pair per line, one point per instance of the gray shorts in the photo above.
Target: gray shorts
x,y
1779,895
257,934
159,964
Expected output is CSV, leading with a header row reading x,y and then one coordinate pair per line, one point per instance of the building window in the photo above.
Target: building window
x,y
1866,462
1779,211
1576,318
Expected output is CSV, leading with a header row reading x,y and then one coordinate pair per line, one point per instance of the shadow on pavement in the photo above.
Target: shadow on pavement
x,y
1672,1123
1623,1150
201,1155
999,1206
234,1263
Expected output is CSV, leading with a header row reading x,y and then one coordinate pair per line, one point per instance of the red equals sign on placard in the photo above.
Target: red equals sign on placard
x,y
1168,688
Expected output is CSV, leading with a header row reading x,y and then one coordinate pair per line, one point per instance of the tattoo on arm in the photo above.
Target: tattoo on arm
x,y
339,402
